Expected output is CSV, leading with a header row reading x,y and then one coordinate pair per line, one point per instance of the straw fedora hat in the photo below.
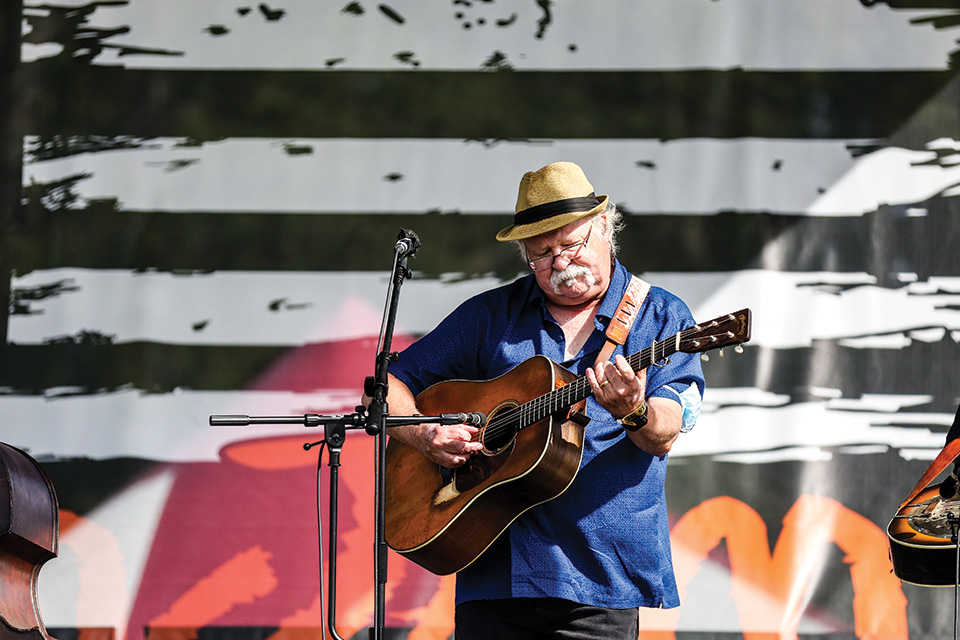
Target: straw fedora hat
x,y
550,198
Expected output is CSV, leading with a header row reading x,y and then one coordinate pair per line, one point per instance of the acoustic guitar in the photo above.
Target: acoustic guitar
x,y
922,534
922,548
532,439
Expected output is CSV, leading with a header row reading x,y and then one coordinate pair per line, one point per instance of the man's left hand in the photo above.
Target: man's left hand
x,y
617,387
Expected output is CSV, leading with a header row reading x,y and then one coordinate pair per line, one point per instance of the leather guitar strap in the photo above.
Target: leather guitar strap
x,y
947,455
624,317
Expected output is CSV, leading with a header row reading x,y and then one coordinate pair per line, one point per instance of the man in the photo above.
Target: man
x,y
581,564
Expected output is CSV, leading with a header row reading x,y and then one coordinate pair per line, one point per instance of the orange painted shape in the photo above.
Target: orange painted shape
x,y
771,589
240,580
270,454
303,618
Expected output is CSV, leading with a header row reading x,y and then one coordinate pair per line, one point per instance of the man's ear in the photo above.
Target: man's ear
x,y
607,228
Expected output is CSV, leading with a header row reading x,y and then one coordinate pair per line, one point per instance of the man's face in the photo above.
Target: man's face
x,y
580,257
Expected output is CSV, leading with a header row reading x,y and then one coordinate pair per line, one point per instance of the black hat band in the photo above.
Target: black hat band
x,y
550,209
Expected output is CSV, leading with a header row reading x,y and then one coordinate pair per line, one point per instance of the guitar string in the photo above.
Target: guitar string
x,y
513,419
533,409
538,408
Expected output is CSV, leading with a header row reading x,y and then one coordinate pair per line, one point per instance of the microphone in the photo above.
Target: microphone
x,y
473,419
407,243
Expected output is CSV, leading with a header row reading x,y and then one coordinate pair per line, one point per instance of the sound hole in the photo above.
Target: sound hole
x,y
498,438
500,430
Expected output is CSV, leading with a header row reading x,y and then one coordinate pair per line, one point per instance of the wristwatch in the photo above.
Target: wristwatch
x,y
636,419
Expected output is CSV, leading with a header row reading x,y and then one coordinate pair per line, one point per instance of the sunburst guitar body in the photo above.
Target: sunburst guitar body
x,y
922,545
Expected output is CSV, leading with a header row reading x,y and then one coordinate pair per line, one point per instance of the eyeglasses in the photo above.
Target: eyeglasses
x,y
570,253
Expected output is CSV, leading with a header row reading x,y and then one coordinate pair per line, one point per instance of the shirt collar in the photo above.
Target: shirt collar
x,y
619,279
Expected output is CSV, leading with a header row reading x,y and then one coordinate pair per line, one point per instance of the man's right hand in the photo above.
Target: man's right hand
x,y
447,445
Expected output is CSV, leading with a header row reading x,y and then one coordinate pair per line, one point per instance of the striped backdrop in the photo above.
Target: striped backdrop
x,y
199,208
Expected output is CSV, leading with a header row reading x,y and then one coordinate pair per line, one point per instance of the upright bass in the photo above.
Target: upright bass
x,y
29,535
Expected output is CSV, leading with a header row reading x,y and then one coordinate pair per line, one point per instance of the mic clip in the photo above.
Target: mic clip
x,y
407,243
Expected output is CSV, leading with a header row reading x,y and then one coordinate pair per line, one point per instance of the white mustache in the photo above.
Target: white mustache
x,y
569,277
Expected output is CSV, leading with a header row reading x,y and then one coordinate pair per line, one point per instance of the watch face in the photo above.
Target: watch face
x,y
635,419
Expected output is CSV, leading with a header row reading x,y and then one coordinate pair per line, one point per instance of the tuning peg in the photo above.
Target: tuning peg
x,y
721,353
738,348
704,357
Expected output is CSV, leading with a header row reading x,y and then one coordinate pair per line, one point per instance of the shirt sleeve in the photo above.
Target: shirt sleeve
x,y
674,377
449,351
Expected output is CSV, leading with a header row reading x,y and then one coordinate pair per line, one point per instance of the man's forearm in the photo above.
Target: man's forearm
x,y
663,426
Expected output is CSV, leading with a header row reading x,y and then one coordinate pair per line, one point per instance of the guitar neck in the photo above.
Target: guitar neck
x,y
570,394
729,329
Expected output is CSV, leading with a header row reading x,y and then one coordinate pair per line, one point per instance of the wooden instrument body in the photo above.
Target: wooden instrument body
x,y
445,524
921,549
29,534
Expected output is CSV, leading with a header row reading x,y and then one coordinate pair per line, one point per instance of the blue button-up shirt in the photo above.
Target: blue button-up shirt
x,y
605,540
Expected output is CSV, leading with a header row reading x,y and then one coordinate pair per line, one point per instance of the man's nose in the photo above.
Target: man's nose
x,y
556,260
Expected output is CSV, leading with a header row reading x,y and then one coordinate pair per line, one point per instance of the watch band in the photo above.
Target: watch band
x,y
636,419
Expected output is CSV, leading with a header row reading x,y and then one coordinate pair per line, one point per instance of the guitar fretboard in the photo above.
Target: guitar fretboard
x,y
734,328
562,398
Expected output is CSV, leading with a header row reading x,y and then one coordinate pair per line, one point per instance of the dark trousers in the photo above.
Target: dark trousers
x,y
535,618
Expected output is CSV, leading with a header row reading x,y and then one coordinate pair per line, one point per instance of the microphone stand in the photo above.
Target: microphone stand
x,y
377,411
375,420
954,523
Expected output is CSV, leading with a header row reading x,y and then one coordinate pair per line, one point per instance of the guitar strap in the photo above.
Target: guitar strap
x,y
947,455
624,317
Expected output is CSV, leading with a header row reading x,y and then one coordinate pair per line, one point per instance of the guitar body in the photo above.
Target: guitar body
x,y
444,519
921,548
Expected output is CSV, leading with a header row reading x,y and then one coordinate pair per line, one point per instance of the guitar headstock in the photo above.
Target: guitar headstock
x,y
733,328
